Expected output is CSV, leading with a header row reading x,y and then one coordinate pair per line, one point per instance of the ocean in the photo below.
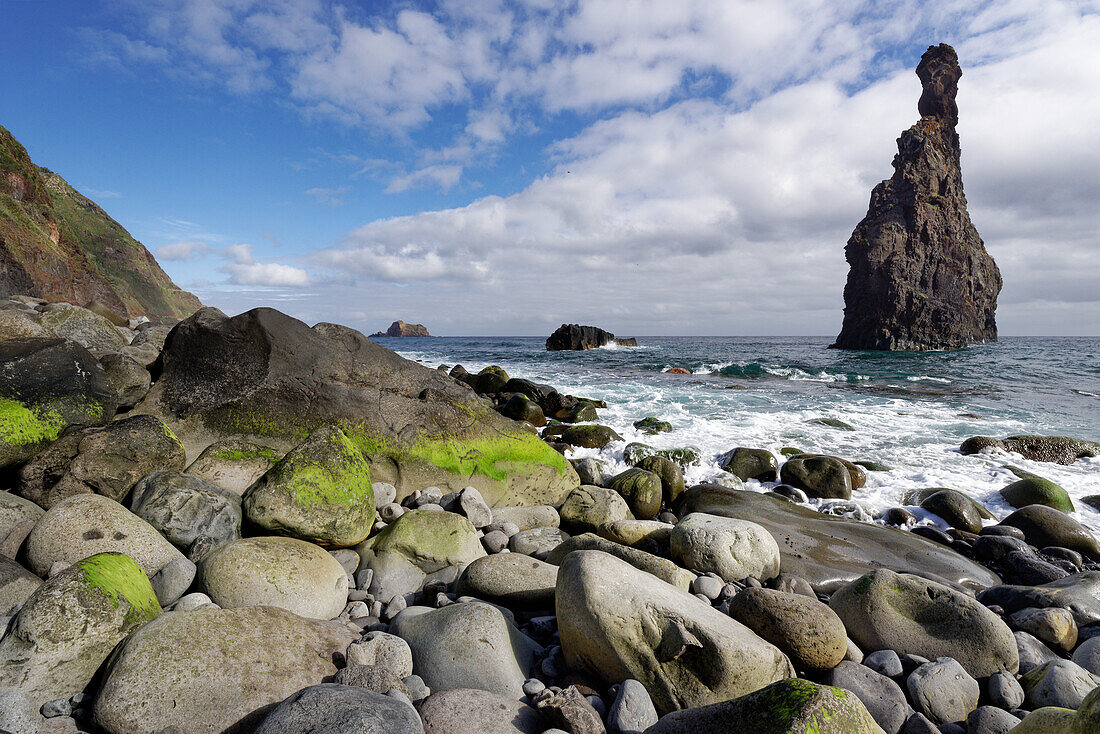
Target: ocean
x,y
909,411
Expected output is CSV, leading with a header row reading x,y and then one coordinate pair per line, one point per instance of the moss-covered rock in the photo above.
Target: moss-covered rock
x,y
818,476
430,540
320,492
589,436
672,478
86,328
832,423
958,510
793,706
68,627
578,412
1037,491
747,463
870,465
234,463
684,456
519,407
652,425
642,491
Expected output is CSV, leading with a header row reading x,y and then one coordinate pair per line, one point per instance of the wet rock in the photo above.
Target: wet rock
x,y
576,337
1079,593
330,708
587,436
1037,491
1055,449
955,508
641,489
1045,526
745,463
672,477
733,549
818,476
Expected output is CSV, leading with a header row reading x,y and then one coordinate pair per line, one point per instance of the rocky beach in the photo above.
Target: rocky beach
x,y
250,524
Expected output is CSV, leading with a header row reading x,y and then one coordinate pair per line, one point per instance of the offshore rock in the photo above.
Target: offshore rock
x,y
400,328
576,337
920,277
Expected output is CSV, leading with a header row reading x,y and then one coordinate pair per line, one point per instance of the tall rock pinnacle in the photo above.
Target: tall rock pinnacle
x,y
920,277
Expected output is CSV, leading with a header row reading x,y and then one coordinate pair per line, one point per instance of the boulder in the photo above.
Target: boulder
x,y
267,378
182,507
909,614
632,711
1052,625
87,524
882,697
127,376
70,624
652,425
818,476
511,579
19,715
641,489
1044,526
1079,593
661,568
955,508
1037,491
809,632
15,510
88,329
637,532
831,551
589,436
672,477
274,571
617,622
527,517
588,507
471,711
576,338
107,460
733,549
320,492
537,542
683,456
1061,683
943,691
745,463
786,707
329,708
47,385
16,584
470,645
1049,720
1054,449
234,464
522,408
382,650
20,325
214,670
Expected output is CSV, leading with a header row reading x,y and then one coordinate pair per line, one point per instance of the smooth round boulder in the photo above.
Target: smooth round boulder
x,y
617,622
882,697
909,614
537,542
468,645
594,436
529,516
274,571
824,477
733,549
955,508
182,507
672,477
786,707
809,632
1061,683
662,568
71,623
511,579
429,540
641,489
330,708
745,463
588,507
1037,491
214,670
636,532
1045,526
944,692
1053,625
86,524
472,711
320,492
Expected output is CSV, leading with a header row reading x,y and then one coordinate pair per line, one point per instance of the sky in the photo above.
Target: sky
x,y
499,168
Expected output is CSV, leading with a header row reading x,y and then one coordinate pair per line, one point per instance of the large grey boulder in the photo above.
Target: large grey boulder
x,y
1061,683
809,632
512,579
182,507
617,622
127,376
320,492
944,692
588,507
831,551
909,614
661,568
1079,593
86,328
469,645
786,707
825,477
16,324
86,524
70,624
1045,526
273,571
266,377
107,460
733,549
47,385
329,708
214,670
473,711
16,584
527,517
19,715
1056,449
233,463
15,510
882,697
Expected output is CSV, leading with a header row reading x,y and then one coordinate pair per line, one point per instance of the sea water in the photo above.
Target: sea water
x,y
909,410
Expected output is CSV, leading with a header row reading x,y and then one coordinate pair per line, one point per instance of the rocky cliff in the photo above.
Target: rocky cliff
x,y
400,328
58,245
920,277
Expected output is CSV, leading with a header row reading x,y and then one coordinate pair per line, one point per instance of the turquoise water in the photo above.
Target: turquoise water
x,y
909,410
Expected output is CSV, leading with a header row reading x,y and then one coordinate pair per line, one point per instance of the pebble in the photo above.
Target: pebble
x,y
384,493
632,711
389,513
532,687
474,507
363,578
708,587
191,601
395,607
57,707
494,541
418,689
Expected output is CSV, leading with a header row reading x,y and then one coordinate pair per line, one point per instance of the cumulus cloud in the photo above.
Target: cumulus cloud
x,y
243,269
183,250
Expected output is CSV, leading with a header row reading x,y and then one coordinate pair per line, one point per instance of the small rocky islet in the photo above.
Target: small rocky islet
x,y
250,524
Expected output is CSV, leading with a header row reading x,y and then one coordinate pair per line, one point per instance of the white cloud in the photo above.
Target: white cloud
x,y
329,197
243,269
182,250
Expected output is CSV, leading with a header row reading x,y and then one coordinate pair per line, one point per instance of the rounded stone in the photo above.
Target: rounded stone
x,y
955,508
537,542
182,508
330,708
672,477
1061,683
1043,526
809,632
526,517
733,549
233,463
882,697
909,614
824,477
1037,491
274,571
472,711
511,579
588,507
943,691
745,463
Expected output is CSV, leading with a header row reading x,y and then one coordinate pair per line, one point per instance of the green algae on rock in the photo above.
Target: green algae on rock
x,y
320,492
1037,491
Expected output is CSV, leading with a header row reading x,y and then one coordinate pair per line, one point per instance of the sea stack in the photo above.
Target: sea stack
x,y
575,337
920,277
400,328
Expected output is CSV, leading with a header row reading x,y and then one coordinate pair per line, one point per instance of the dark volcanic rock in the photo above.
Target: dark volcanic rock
x,y
400,328
1054,449
920,277
576,337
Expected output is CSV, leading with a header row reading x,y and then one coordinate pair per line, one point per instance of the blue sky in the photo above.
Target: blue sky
x,y
494,167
